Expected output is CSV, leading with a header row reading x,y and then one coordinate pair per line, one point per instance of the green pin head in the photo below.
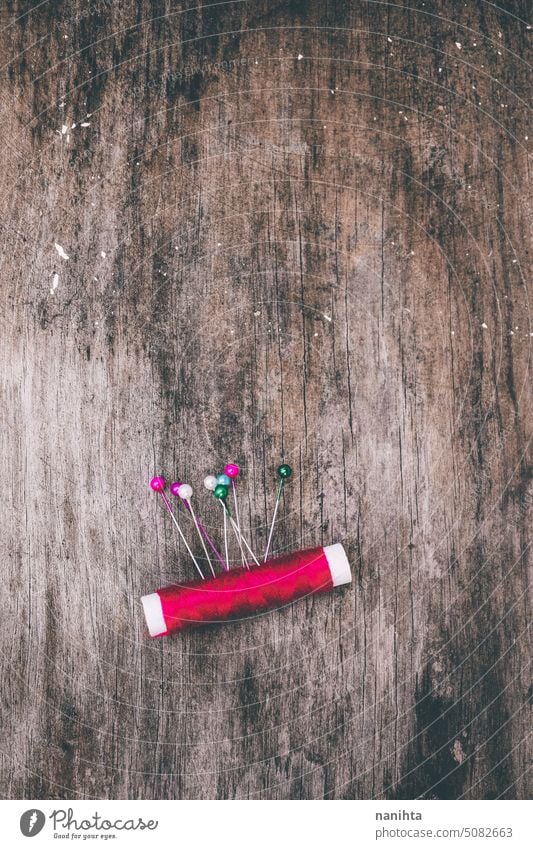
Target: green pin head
x,y
284,471
220,491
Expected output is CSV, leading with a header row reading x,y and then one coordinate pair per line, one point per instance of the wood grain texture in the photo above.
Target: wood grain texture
x,y
295,230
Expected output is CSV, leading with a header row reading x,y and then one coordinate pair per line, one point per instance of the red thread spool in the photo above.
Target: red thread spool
x,y
241,591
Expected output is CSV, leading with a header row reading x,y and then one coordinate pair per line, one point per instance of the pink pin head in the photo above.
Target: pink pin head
x,y
174,488
157,484
231,470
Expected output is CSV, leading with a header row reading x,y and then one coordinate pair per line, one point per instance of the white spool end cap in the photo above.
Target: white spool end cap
x,y
153,613
338,564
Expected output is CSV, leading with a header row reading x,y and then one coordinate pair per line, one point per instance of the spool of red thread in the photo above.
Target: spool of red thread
x,y
242,591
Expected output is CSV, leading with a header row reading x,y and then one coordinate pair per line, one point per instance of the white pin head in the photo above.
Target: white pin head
x,y
210,482
185,491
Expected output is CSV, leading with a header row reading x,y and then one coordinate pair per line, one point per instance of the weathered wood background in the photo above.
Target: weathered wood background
x,y
295,230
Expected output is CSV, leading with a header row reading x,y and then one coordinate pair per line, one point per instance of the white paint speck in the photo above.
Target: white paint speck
x,y
484,326
85,124
61,251
389,39
458,45
300,57
103,254
64,129
55,283
257,312
457,752
327,317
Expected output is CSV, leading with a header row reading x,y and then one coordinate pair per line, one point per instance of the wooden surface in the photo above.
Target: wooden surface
x,y
299,231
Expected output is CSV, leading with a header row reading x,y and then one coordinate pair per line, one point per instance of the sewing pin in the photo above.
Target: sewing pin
x,y
225,480
231,472
174,490
158,485
210,483
184,491
221,492
284,473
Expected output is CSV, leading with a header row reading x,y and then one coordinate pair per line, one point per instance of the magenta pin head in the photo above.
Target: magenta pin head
x,y
157,484
174,488
231,470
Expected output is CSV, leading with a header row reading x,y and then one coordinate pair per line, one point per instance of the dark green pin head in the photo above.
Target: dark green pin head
x,y
284,471
221,491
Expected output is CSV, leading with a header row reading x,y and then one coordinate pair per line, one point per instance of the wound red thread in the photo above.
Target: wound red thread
x,y
242,592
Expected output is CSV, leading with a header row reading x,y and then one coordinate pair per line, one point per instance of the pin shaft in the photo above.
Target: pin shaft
x,y
226,533
197,525
241,538
278,497
209,541
237,518
185,543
